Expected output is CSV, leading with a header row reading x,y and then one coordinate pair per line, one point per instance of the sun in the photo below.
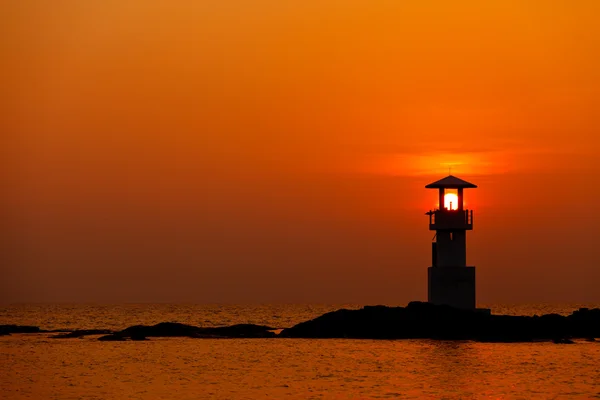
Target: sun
x,y
451,201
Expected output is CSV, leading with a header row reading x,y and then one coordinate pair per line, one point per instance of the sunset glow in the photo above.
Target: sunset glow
x,y
257,142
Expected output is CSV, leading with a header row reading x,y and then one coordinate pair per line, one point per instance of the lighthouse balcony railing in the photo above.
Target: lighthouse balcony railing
x,y
450,220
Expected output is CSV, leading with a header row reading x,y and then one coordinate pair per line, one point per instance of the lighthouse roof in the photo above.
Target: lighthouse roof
x,y
451,182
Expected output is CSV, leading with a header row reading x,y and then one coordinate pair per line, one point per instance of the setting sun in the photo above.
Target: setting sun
x,y
451,201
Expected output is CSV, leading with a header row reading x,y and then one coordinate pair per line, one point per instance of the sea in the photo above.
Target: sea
x,y
35,366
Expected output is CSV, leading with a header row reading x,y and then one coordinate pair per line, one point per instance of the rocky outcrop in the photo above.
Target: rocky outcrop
x,y
173,329
81,333
427,321
142,332
8,329
416,321
112,338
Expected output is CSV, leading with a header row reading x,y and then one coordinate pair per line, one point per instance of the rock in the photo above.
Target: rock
x,y
8,329
562,341
81,333
585,322
112,338
424,320
173,329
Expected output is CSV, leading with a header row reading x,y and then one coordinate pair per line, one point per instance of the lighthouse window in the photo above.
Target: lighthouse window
x,y
451,199
451,237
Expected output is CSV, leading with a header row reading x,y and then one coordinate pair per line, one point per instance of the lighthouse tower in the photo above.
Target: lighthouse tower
x,y
450,280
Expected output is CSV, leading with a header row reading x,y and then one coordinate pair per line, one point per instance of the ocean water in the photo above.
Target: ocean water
x,y
35,366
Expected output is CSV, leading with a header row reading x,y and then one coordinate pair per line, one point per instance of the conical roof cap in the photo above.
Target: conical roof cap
x,y
451,182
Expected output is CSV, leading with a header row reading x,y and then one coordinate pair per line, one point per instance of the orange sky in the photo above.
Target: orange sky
x,y
273,151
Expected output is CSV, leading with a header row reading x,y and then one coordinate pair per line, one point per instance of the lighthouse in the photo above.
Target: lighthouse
x,y
450,280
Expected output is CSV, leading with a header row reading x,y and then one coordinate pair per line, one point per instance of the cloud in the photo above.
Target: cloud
x,y
442,158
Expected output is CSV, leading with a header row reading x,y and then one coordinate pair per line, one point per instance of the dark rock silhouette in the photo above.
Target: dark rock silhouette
x,y
427,321
174,329
112,338
163,329
416,321
8,329
142,332
119,338
81,333
563,341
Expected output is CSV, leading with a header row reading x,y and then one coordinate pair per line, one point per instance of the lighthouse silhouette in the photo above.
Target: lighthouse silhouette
x,y
450,280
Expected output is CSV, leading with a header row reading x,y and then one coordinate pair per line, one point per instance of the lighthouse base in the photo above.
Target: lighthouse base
x,y
453,286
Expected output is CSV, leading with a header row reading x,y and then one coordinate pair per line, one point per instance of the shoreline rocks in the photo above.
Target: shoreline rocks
x,y
81,333
174,329
8,329
418,320
421,320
